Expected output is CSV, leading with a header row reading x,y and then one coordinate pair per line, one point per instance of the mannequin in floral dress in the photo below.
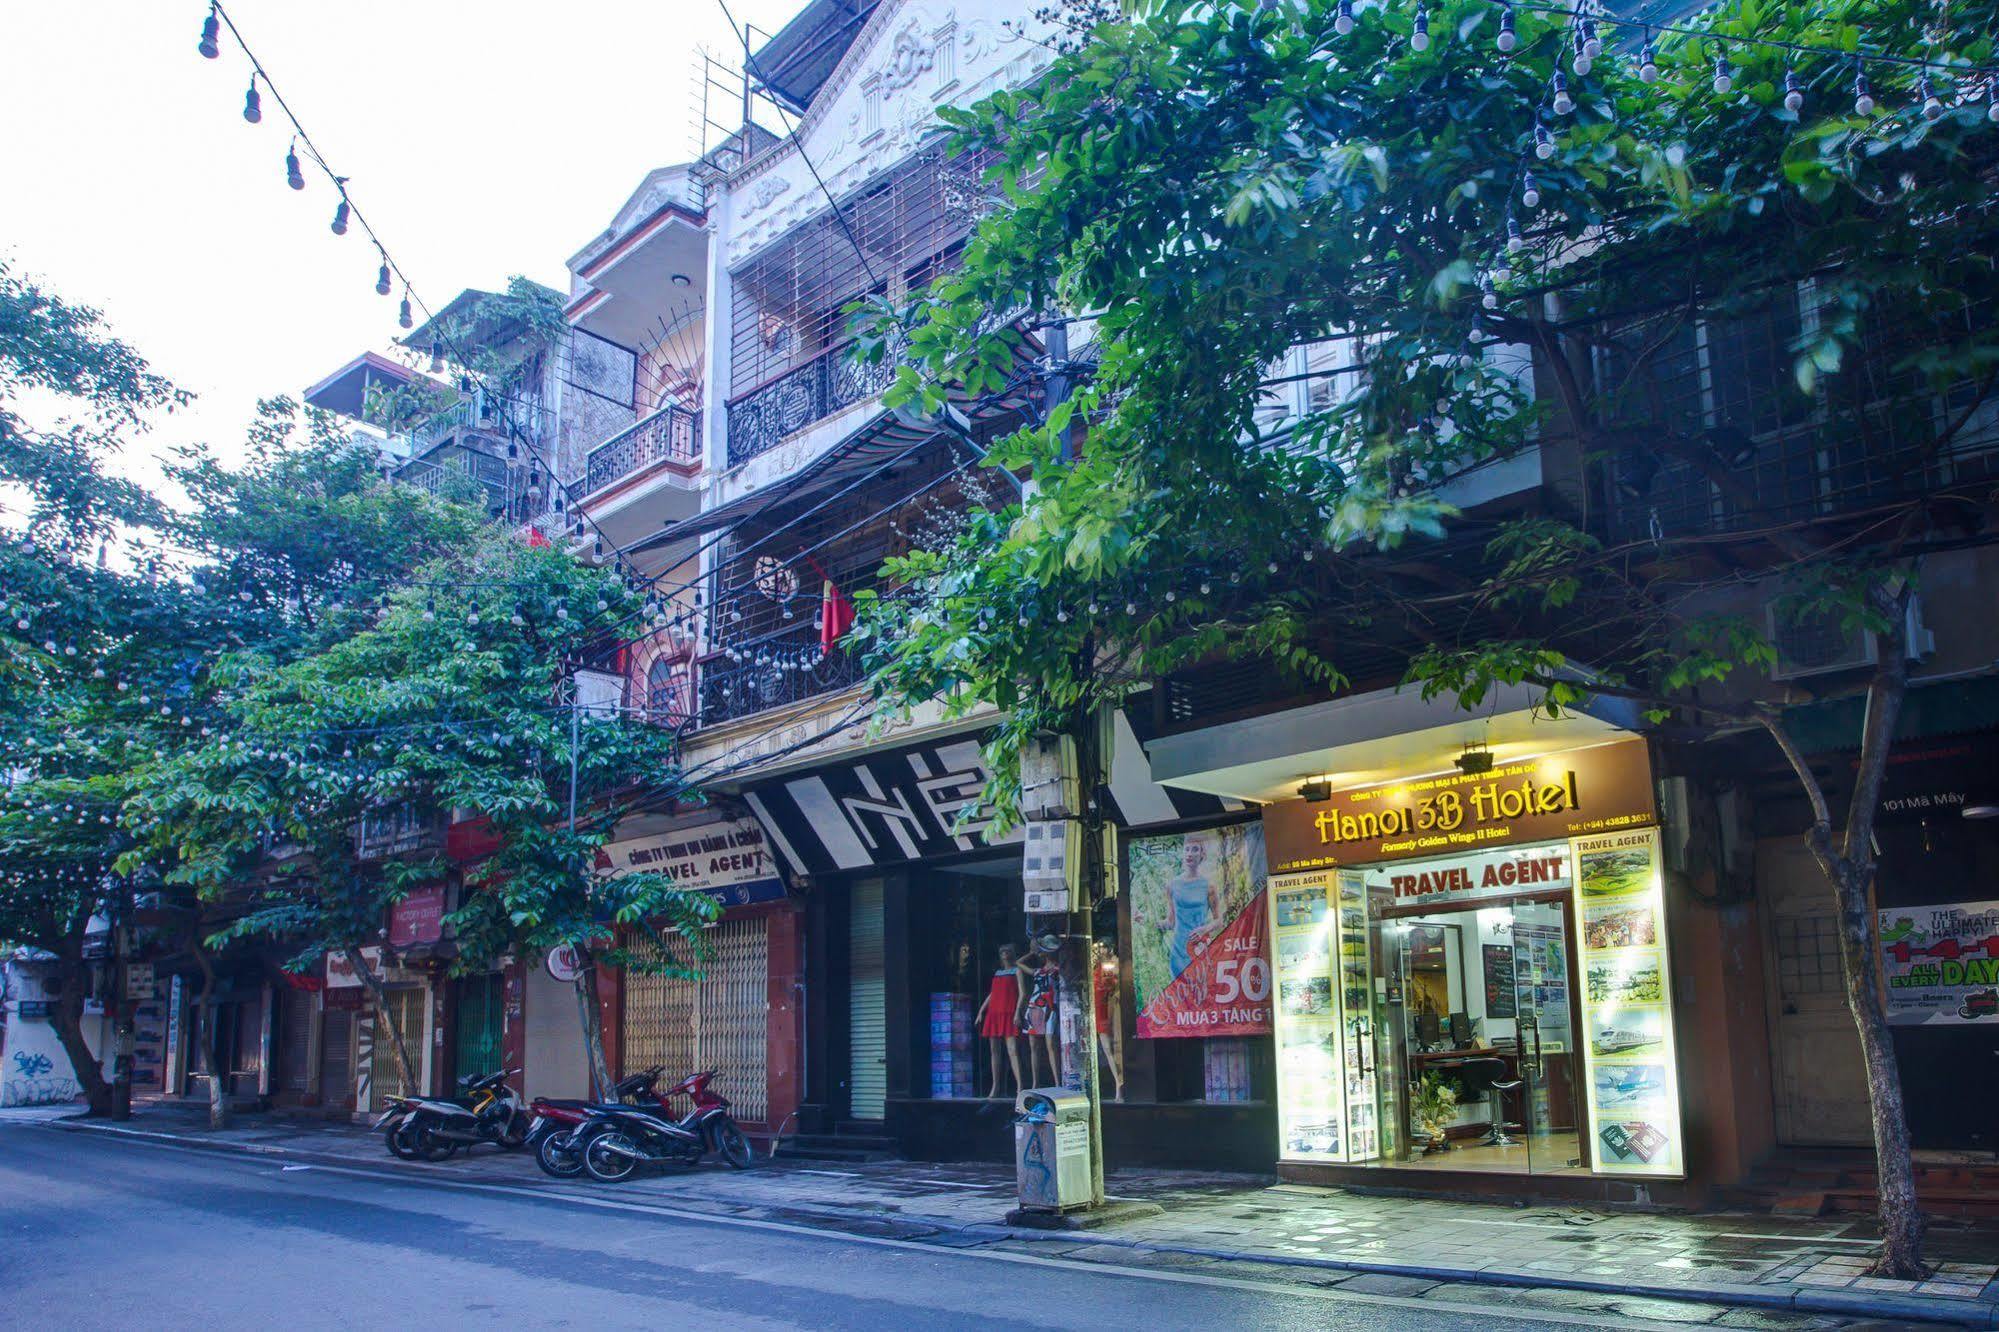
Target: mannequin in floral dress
x,y
998,1018
1044,983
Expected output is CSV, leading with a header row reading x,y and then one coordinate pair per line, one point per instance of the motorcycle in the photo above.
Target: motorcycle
x,y
551,1132
619,1139
432,1129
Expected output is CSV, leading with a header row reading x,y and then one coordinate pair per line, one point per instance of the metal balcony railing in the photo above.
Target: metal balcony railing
x,y
830,382
670,435
730,690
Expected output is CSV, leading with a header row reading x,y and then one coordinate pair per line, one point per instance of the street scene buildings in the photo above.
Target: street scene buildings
x,y
1388,936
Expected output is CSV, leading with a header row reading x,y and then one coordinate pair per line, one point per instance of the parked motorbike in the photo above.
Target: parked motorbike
x,y
552,1128
433,1129
617,1140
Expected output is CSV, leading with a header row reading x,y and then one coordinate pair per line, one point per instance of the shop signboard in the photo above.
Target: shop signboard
x,y
1942,963
1445,882
1199,967
418,918
1632,1089
341,976
730,861
1567,794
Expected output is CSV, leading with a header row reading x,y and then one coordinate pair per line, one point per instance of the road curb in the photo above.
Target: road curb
x,y
1980,1314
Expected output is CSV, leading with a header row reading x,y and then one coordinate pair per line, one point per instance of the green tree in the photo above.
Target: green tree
x,y
453,701
1214,184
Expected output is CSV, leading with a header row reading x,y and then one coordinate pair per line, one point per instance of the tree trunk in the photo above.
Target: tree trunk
x,y
591,1013
1849,866
67,1019
396,1041
211,1052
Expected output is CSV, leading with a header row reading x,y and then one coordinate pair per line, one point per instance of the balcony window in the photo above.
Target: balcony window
x,y
790,330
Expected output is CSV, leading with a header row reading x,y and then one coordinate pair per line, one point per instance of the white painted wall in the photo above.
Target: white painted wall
x,y
555,1061
34,1070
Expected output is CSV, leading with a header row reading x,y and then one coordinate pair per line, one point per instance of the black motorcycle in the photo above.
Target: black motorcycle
x,y
429,1128
617,1140
552,1130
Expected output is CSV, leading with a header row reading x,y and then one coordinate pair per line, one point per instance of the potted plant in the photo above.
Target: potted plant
x,y
1433,1103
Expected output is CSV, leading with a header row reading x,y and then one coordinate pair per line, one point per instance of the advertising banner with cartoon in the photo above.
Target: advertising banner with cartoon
x,y
1942,963
1633,1086
1199,966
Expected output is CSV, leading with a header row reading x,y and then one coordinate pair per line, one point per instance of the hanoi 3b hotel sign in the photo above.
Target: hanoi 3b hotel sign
x,y
1554,796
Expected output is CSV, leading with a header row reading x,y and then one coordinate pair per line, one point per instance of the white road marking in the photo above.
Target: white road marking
x,y
1332,1295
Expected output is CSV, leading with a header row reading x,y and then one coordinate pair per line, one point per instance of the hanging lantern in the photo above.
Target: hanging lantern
x,y
403,319
382,279
211,29
340,212
294,177
253,105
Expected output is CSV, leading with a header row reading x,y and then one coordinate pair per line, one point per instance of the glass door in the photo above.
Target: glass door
x,y
1539,1109
1388,1026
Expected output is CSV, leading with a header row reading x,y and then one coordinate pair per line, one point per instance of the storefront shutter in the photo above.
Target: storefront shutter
x,y
410,1004
295,1039
336,1059
867,1087
720,1021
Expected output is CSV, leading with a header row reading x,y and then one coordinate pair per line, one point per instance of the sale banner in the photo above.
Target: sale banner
x,y
1200,966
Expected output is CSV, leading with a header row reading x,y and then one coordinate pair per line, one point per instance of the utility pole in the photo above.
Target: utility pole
x,y
121,1001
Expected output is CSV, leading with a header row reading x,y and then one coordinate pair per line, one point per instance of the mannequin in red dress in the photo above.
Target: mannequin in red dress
x,y
1110,1030
998,1018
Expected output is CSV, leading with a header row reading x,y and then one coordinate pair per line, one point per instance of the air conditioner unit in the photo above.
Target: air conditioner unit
x,y
1825,644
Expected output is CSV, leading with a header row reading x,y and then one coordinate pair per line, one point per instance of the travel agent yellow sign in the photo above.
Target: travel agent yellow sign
x,y
1578,792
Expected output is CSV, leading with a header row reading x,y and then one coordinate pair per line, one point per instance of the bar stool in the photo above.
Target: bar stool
x,y
1499,1137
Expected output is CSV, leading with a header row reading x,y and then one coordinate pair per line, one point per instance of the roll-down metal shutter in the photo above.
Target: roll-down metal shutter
x,y
867,1086
720,1021
295,1039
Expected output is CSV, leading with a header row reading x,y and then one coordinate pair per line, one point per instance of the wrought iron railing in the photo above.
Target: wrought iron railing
x,y
830,382
670,435
732,689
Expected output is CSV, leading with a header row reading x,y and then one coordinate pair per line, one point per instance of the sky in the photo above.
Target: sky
x,y
481,140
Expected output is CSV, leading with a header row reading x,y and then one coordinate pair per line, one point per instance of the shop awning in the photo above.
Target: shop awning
x,y
1950,707
1376,736
880,441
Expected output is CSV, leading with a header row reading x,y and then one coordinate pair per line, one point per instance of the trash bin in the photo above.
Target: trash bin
x,y
1051,1148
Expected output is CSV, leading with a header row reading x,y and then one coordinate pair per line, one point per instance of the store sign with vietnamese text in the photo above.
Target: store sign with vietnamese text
x,y
1576,792
730,861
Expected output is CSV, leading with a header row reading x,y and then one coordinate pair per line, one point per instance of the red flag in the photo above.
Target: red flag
x,y
836,615
536,540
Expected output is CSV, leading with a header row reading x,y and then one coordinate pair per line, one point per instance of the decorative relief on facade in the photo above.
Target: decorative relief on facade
x,y
909,59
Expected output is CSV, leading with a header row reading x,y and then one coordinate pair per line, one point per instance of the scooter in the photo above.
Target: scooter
x,y
617,1140
552,1128
432,1129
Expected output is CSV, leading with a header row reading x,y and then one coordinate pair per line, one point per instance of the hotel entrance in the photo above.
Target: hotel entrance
x,y
1472,972
1475,1025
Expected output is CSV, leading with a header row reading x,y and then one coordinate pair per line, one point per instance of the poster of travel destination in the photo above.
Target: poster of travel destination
x,y
1942,963
1310,1104
1199,967
1633,1085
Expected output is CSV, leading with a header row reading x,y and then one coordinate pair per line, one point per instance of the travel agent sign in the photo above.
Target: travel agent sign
x,y
1574,793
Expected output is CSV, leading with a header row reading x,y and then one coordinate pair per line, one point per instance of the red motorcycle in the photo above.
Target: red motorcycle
x,y
552,1130
618,1139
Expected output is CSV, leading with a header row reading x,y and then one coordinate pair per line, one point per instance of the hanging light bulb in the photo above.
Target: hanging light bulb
x,y
1343,18
1794,93
1992,99
437,358
430,611
403,319
1648,63
1544,142
1563,103
1487,296
1514,243
1927,93
382,279
1724,77
253,104
1592,43
340,211
1863,95
1419,40
211,28
293,176
1509,36
1530,190
1502,269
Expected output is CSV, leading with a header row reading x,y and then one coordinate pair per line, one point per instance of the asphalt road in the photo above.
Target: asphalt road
x,y
100,1232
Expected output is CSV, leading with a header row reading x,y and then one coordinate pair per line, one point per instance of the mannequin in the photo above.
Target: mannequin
x,y
998,1018
1044,979
1110,1031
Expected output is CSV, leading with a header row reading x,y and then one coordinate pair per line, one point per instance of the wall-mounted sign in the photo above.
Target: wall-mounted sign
x,y
418,918
36,1008
1569,794
1472,876
884,810
563,963
729,860
340,976
138,981
1942,963
1633,1089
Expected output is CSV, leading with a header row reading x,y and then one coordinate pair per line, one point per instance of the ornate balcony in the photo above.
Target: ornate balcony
x,y
670,435
830,382
730,690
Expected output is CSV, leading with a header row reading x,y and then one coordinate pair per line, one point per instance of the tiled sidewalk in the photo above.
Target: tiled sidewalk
x,y
1730,1258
